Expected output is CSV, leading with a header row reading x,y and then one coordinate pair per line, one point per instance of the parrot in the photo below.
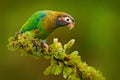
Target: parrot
x,y
43,23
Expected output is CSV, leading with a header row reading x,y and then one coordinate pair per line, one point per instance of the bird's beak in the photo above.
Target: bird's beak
x,y
71,25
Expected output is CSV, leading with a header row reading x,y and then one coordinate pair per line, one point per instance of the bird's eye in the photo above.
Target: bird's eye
x,y
67,19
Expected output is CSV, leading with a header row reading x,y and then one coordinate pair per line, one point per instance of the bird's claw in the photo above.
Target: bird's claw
x,y
45,46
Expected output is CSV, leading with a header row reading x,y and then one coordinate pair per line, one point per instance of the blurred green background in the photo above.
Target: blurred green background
x,y
96,33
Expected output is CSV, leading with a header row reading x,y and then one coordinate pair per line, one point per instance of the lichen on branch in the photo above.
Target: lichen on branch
x,y
70,64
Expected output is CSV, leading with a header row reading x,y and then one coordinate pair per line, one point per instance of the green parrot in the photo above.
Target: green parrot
x,y
43,23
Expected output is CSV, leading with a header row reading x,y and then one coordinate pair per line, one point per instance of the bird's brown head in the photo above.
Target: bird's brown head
x,y
65,19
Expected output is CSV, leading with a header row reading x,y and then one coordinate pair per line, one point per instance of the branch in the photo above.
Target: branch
x,y
70,64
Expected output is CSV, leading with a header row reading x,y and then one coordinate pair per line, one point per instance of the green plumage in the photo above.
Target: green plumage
x,y
32,23
35,24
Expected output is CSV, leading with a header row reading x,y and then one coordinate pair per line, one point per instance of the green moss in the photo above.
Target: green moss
x,y
71,65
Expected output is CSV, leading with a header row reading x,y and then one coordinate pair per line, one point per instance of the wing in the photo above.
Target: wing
x,y
33,21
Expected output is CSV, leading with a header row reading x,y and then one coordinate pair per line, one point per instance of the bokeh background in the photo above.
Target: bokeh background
x,y
97,35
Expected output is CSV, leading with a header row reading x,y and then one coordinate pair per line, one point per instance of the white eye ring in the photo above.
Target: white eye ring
x,y
67,19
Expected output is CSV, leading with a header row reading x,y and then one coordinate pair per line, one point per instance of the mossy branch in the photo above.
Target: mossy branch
x,y
69,64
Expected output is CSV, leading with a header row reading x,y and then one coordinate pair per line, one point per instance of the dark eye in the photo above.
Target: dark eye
x,y
67,19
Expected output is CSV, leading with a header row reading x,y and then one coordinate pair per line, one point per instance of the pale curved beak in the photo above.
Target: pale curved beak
x,y
71,25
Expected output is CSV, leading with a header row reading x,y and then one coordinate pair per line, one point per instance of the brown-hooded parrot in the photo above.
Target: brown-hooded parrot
x,y
43,23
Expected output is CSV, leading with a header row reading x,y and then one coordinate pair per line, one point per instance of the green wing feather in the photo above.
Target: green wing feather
x,y
33,21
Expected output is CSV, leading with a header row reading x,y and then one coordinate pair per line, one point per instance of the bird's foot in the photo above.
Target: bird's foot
x,y
44,45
